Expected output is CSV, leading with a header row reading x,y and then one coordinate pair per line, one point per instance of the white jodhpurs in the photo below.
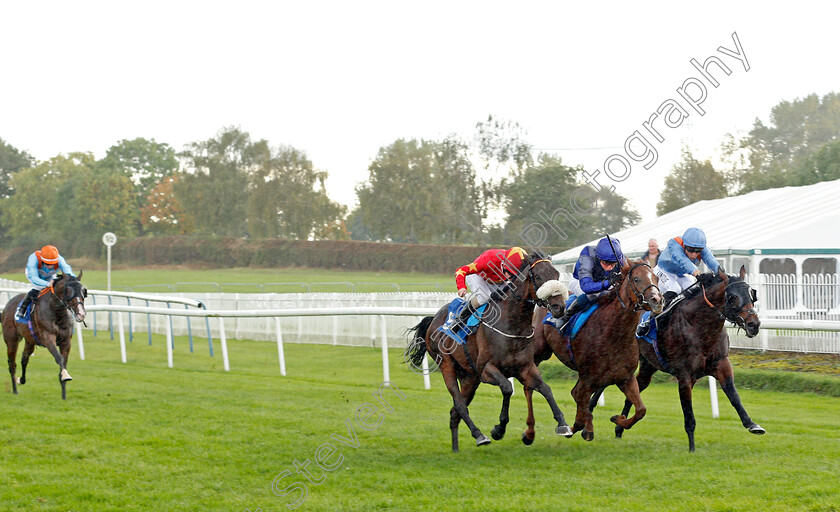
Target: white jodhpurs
x,y
669,282
481,289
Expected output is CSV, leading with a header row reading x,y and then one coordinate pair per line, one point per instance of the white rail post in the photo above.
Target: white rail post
x,y
601,402
386,373
714,397
427,383
122,337
81,341
223,339
169,342
280,353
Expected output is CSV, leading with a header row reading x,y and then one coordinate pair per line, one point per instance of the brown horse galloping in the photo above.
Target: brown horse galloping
x,y
693,342
501,347
604,352
52,326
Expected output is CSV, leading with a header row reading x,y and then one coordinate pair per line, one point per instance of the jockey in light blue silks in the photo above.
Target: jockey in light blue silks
x,y
677,265
41,268
597,270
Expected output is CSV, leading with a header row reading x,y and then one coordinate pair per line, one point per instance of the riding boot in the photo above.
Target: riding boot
x,y
464,316
578,305
21,310
643,328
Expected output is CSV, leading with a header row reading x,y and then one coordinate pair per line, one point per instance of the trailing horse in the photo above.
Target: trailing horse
x,y
604,351
692,342
502,347
50,325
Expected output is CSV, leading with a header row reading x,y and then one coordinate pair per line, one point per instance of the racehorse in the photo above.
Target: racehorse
x,y
501,347
604,351
692,342
50,326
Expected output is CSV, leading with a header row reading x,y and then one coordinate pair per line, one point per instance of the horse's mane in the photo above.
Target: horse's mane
x,y
613,293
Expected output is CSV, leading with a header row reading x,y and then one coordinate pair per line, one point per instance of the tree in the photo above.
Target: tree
x,y
143,161
420,192
780,154
68,200
543,195
163,214
11,161
215,184
690,181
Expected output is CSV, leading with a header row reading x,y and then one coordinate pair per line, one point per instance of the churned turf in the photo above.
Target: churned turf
x,y
141,436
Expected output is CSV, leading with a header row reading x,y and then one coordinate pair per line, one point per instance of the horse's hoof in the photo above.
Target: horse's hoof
x,y
587,435
481,440
497,433
64,376
527,441
22,380
618,432
615,419
756,429
563,430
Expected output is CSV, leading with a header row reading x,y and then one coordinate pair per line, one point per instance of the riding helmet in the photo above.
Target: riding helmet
x,y
604,252
49,254
694,237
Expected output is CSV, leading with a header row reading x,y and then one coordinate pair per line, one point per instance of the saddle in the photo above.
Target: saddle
x,y
575,323
460,335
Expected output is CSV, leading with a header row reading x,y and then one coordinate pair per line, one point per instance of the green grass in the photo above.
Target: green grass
x,y
141,436
245,280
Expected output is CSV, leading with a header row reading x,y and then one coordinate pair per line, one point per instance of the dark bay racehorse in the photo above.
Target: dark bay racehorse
x,y
501,347
693,342
52,326
604,352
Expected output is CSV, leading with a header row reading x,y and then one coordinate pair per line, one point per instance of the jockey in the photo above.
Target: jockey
x,y
677,266
597,270
490,272
41,269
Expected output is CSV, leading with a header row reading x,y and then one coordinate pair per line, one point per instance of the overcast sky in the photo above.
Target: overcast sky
x,y
340,80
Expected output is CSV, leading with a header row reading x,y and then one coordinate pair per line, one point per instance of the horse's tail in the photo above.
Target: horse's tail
x,y
416,348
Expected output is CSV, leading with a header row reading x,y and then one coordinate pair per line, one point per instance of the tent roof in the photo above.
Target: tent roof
x,y
789,219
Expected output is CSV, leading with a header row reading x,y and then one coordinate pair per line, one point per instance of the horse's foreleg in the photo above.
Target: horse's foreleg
x,y
493,375
643,378
630,388
28,348
726,378
11,351
530,432
534,380
583,419
685,385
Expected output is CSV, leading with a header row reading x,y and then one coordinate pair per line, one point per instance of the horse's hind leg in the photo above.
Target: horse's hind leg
x,y
583,419
11,351
459,409
630,388
727,382
534,380
28,348
646,371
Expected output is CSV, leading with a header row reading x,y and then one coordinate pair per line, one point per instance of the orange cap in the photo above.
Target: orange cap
x,y
49,254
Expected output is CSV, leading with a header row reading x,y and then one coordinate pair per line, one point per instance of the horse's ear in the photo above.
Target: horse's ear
x,y
743,272
721,273
80,275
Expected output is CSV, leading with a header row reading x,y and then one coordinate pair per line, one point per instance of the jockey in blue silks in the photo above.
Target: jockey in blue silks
x,y
597,270
677,265
41,268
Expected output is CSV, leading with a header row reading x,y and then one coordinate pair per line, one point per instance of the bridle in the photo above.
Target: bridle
x,y
640,303
729,313
75,300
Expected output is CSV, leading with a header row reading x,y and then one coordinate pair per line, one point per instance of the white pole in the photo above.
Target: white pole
x,y
109,267
169,361
122,337
601,402
714,397
427,383
512,387
223,339
280,347
81,341
386,373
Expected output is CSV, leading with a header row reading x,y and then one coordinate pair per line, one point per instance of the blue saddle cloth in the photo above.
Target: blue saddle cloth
x,y
460,335
27,315
575,323
650,337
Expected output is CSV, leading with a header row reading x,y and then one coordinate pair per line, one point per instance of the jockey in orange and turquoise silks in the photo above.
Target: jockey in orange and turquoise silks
x,y
41,267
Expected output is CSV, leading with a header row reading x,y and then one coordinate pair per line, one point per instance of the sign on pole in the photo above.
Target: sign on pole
x,y
109,239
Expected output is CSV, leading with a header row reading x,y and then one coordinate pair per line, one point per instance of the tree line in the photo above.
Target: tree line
x,y
480,191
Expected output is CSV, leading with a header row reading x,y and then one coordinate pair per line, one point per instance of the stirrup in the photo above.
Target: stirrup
x,y
643,329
